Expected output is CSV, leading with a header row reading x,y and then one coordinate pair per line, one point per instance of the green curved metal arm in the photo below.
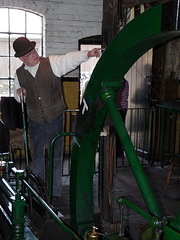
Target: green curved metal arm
x,y
153,27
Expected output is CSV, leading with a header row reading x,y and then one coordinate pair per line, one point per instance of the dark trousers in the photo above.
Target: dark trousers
x,y
40,137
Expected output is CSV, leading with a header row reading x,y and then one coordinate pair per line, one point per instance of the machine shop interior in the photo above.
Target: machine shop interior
x,y
120,178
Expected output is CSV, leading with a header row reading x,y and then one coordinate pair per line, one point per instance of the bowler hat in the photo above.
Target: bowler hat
x,y
22,46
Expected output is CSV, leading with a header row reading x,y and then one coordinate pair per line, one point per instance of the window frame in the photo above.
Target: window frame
x,y
9,79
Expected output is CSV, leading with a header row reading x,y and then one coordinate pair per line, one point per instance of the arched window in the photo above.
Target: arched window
x,y
16,23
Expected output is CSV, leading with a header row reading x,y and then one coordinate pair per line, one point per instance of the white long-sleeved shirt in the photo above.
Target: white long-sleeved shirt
x,y
60,64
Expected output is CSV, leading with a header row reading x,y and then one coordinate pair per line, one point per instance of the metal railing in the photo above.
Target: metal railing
x,y
144,126
138,123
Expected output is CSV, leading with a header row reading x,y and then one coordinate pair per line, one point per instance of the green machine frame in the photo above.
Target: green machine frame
x,y
155,26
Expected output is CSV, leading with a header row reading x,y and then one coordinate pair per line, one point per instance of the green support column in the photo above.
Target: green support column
x,y
108,96
18,220
18,204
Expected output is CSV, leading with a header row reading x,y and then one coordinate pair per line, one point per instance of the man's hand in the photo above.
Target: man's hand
x,y
21,90
95,52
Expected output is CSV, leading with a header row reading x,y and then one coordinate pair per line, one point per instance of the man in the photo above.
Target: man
x,y
39,80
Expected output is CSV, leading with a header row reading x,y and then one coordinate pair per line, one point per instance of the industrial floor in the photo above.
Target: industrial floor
x,y
124,184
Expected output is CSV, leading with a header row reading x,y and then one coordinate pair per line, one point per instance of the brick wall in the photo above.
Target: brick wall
x,y
65,21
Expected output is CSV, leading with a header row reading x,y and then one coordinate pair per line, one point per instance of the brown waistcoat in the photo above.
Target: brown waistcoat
x,y
44,98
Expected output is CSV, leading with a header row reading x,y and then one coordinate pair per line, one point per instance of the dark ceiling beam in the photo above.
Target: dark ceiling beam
x,y
131,3
115,13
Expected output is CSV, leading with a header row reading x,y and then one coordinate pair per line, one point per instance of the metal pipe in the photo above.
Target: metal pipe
x,y
51,160
5,156
121,220
108,96
160,224
25,132
6,188
51,213
138,210
19,177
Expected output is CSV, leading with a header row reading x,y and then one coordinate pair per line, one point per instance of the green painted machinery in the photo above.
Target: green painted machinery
x,y
155,26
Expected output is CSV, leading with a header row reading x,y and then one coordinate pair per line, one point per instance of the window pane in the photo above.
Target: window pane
x,y
11,88
4,20
16,23
4,67
34,24
15,64
4,45
37,39
4,88
17,20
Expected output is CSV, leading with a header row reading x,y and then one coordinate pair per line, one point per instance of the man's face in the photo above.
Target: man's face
x,y
31,58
